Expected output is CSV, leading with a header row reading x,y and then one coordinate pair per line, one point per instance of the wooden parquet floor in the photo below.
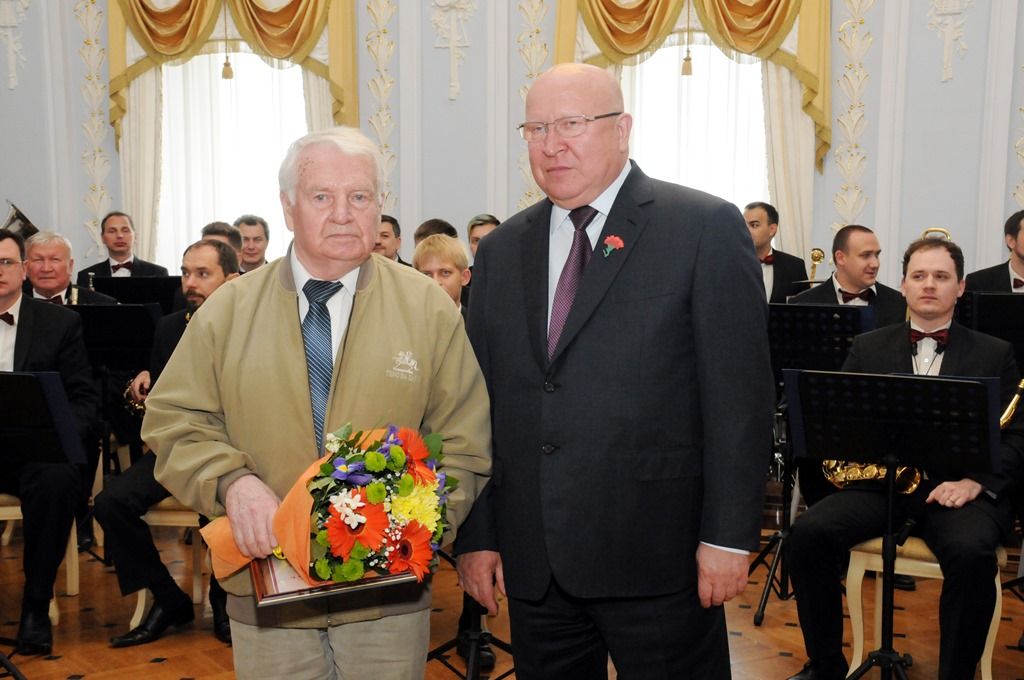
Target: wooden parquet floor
x,y
773,650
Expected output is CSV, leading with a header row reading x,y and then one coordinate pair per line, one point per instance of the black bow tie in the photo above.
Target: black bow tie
x,y
7,318
129,265
941,337
865,295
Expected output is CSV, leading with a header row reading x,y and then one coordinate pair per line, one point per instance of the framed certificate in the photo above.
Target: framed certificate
x,y
276,582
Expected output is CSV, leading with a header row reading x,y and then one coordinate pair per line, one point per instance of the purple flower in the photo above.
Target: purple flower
x,y
350,472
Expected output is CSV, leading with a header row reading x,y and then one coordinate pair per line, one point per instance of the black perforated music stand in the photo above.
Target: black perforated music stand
x,y
894,420
997,314
814,337
139,290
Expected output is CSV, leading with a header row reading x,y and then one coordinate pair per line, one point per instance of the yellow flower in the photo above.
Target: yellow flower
x,y
420,505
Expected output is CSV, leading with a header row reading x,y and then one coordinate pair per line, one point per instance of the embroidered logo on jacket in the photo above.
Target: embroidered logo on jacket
x,y
405,367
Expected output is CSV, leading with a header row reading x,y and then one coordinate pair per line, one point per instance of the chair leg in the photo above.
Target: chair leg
x,y
8,532
993,629
71,562
140,609
854,584
877,618
197,568
54,611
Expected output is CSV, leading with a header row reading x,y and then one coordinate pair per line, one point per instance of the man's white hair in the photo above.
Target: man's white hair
x,y
47,238
350,141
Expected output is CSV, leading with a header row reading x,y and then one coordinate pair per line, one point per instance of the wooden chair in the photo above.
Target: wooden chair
x,y
171,513
10,512
913,558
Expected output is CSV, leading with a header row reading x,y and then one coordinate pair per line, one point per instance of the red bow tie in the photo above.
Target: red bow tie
x,y
941,337
865,295
1017,283
7,318
129,265
768,259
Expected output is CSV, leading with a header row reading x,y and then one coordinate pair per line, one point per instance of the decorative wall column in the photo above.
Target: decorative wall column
x,y
534,52
381,48
850,160
97,165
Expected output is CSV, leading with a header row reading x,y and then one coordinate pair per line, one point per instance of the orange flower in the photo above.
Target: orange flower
x,y
414,446
412,551
370,533
421,474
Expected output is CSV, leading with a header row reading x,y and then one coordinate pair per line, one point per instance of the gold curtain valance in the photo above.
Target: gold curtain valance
x,y
623,29
758,27
291,32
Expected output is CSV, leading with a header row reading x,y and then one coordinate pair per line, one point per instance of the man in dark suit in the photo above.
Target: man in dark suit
x,y
855,251
631,417
39,336
1007,277
255,238
389,239
962,518
784,274
49,264
118,236
206,265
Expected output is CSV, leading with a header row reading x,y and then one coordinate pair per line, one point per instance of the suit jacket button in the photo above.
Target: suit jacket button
x,y
548,448
549,386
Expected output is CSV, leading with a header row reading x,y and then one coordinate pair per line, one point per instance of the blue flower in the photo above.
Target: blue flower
x,y
350,472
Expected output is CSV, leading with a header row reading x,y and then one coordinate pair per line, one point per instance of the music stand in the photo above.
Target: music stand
x,y
140,290
802,336
113,349
476,636
894,420
36,424
997,314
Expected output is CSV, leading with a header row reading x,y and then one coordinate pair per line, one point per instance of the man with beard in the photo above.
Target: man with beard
x,y
206,265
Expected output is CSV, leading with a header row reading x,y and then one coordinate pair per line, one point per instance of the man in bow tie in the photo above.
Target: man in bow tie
x,y
326,325
961,519
783,273
118,234
49,266
1007,277
855,252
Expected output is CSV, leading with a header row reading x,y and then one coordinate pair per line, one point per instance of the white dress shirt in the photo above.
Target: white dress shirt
x,y
927,361
339,305
8,334
1014,275
768,276
123,272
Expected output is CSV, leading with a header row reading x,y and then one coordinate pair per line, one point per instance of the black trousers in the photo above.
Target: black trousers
x,y
127,538
963,539
664,637
49,493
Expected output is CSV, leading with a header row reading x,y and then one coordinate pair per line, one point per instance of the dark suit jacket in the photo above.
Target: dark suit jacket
x,y
102,270
166,335
786,270
85,296
889,304
650,428
49,338
990,280
969,354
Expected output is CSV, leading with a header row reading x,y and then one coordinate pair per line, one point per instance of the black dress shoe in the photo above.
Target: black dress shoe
x,y
34,633
814,672
153,626
485,654
904,582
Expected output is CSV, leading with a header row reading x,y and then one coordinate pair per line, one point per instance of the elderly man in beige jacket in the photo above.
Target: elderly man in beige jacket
x,y
243,405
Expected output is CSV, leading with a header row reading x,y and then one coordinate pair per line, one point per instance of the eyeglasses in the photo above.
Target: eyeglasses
x,y
570,126
7,264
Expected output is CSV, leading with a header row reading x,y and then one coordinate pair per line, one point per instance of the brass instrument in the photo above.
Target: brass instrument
x,y
73,295
841,473
817,257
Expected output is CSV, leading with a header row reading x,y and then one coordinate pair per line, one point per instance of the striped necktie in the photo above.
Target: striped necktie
x,y
316,336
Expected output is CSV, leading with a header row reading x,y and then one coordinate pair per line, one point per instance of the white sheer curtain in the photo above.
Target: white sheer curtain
x,y
705,130
223,141
790,135
318,102
140,160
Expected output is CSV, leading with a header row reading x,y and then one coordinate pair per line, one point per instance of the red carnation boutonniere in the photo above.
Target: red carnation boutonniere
x,y
611,243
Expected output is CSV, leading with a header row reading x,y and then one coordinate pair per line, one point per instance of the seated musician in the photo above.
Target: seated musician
x,y
961,520
39,336
206,265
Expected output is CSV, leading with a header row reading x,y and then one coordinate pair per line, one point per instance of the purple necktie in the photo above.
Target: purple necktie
x,y
572,272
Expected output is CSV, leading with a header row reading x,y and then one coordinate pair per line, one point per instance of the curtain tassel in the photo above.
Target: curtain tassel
x,y
687,64
227,73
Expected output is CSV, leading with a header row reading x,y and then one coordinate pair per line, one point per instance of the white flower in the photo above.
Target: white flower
x,y
346,502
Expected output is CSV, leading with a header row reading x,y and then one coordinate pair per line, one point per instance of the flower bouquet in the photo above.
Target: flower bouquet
x,y
371,508
377,506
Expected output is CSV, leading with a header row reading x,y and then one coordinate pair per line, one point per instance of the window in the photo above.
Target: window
x,y
223,141
704,131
